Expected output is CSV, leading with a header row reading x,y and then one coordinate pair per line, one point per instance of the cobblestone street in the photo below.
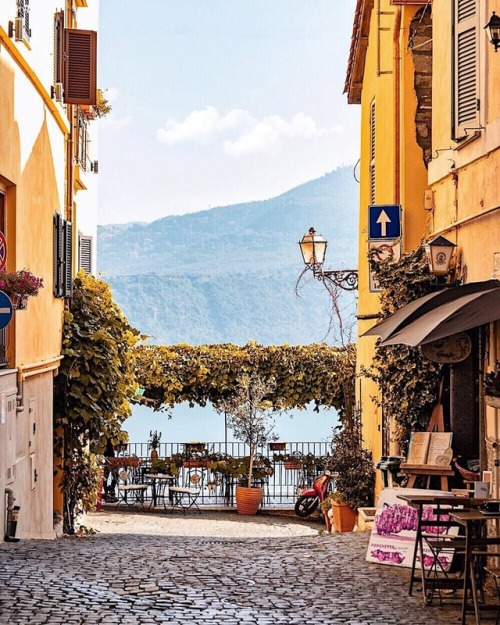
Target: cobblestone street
x,y
303,578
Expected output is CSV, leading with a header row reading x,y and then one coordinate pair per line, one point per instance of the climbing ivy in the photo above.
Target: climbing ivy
x,y
408,381
95,382
210,373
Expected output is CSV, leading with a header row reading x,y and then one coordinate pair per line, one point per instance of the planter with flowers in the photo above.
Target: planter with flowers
x,y
19,285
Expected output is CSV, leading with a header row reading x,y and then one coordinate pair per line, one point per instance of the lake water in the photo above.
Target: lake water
x,y
205,424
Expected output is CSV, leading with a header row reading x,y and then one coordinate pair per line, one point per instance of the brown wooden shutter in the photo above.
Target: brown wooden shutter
x,y
80,67
466,87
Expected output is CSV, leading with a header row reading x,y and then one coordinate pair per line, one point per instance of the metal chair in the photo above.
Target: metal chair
x,y
127,485
185,497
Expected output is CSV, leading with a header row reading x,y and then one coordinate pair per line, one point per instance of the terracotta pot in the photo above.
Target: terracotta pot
x,y
293,465
154,454
194,464
344,517
277,446
248,499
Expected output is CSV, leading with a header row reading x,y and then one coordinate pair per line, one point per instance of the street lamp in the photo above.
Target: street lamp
x,y
313,248
493,30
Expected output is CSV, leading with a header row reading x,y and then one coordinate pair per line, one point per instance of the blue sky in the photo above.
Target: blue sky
x,y
217,102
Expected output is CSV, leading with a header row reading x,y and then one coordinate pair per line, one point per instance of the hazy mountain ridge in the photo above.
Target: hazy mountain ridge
x,y
228,274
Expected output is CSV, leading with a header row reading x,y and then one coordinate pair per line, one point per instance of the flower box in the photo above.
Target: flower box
x,y
492,401
277,446
293,466
196,464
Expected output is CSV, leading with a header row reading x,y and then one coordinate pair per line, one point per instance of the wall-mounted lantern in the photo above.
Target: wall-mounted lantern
x,y
493,30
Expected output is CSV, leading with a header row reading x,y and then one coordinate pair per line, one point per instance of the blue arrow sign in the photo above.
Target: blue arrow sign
x,y
5,310
384,222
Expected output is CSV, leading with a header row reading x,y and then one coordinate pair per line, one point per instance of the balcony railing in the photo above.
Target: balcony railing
x,y
281,488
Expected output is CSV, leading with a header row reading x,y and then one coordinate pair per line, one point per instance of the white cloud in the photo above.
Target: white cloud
x,y
203,126
239,132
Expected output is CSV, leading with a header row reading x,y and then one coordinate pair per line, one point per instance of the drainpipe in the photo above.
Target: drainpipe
x,y
12,516
44,367
397,105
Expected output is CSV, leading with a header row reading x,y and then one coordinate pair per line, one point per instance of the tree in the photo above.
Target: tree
x,y
95,383
250,413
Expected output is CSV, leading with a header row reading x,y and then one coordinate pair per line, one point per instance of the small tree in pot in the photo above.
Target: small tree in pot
x,y
353,466
250,415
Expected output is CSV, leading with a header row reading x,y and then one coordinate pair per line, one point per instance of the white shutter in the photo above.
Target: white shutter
x,y
466,88
85,253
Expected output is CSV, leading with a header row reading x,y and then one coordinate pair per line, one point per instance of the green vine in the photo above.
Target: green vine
x,y
92,389
408,381
211,373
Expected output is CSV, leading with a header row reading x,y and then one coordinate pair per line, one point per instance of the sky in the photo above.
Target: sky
x,y
216,102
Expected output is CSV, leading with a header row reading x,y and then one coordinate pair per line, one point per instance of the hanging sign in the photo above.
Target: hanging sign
x,y
454,348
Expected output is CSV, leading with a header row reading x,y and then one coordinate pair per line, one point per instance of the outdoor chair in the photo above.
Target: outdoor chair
x,y
130,491
185,497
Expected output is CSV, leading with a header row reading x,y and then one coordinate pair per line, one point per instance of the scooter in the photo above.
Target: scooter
x,y
310,498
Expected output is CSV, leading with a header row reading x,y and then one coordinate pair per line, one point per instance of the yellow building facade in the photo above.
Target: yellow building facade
x,y
425,75
43,164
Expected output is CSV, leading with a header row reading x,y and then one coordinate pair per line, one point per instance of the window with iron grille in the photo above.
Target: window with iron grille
x,y
466,75
372,153
85,253
63,257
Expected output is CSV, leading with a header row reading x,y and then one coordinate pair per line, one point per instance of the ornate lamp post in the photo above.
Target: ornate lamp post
x,y
313,247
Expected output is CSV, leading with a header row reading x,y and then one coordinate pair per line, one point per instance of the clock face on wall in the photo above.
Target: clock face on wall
x,y
454,348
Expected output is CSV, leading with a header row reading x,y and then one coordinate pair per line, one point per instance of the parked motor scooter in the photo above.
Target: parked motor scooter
x,y
310,498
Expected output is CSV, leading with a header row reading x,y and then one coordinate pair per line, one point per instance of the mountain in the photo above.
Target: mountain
x,y
228,274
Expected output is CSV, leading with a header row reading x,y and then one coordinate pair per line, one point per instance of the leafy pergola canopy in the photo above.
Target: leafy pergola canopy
x,y
208,373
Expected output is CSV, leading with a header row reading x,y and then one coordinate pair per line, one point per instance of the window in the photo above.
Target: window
x,y
85,253
63,256
372,153
466,55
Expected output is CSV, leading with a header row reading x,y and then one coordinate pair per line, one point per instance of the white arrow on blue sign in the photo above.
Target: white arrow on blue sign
x,y
384,222
5,310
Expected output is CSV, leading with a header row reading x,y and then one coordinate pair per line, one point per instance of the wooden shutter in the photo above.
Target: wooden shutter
x,y
58,46
68,259
466,87
85,253
58,255
372,153
80,66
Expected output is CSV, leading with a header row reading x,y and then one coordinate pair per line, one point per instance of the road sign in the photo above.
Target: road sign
x,y
5,310
3,251
384,222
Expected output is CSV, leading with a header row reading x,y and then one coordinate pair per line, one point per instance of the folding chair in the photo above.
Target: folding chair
x,y
184,497
127,486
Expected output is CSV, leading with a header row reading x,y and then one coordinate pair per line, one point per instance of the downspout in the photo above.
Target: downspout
x,y
397,105
37,369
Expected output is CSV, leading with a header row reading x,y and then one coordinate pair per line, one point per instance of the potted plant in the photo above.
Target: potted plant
x,y
249,413
20,285
154,443
492,389
355,475
277,446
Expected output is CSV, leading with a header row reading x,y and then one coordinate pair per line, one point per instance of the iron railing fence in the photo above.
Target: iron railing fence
x,y
281,488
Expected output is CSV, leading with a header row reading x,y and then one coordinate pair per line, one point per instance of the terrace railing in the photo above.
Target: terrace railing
x,y
281,488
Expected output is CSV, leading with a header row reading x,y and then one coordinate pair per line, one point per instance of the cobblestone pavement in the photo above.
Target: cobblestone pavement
x,y
192,580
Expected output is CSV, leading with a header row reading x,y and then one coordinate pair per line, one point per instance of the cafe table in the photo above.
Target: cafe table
x,y
439,534
159,483
477,543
